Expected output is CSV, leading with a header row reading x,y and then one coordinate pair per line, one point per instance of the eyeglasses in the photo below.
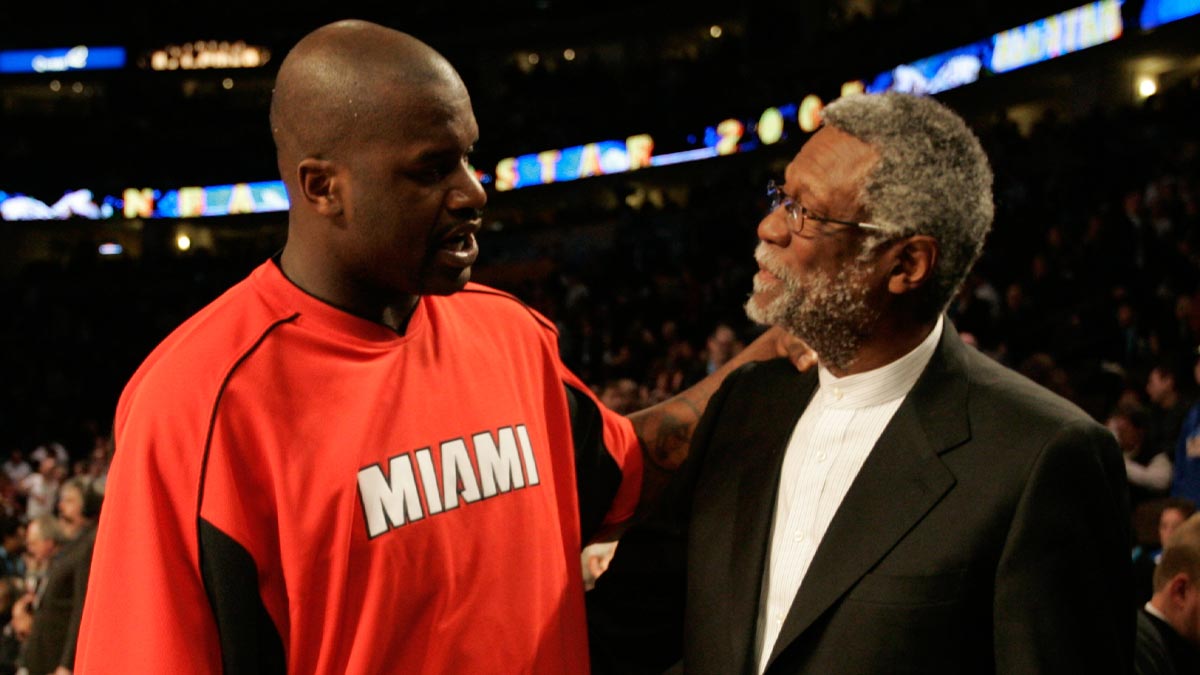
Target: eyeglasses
x,y
797,215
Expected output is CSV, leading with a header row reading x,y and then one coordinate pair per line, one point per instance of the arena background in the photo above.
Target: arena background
x,y
638,268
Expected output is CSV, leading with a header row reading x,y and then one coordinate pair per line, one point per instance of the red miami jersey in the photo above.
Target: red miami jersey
x,y
296,489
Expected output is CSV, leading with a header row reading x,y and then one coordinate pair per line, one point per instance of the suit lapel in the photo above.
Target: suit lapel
x,y
900,481
757,484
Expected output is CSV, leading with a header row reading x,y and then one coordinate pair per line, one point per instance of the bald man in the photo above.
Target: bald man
x,y
355,460
1168,634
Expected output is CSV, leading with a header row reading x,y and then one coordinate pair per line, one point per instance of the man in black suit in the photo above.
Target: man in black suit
x,y
1168,629
57,602
910,506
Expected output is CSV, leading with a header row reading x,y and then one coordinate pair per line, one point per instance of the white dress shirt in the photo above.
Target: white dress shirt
x,y
827,448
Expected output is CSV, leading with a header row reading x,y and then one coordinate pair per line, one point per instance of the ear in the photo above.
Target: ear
x,y
1177,588
912,260
319,186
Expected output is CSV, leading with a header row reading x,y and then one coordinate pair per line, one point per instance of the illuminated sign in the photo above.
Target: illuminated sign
x,y
62,60
1086,26
935,74
1157,12
213,200
853,87
581,161
73,204
1054,36
809,114
770,126
201,55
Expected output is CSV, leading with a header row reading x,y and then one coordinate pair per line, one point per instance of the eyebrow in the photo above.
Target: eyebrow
x,y
443,152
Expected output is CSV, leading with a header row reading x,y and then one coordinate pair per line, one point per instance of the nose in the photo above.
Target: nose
x,y
467,193
773,229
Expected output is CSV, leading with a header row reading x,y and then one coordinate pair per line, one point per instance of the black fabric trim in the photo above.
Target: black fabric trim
x,y
229,573
250,642
597,476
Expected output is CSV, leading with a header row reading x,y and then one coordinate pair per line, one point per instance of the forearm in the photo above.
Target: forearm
x,y
666,429
1155,476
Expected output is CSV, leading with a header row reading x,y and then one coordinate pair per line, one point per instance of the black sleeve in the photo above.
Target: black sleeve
x,y
597,476
250,642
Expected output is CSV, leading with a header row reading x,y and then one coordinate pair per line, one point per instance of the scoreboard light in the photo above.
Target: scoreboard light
x,y
580,161
203,55
853,87
1157,12
730,132
1070,31
770,126
809,115
62,59
212,200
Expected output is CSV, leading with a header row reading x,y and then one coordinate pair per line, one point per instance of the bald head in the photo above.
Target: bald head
x,y
1181,554
341,82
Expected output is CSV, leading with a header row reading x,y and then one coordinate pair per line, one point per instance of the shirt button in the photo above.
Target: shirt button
x,y
778,619
799,538
837,394
821,456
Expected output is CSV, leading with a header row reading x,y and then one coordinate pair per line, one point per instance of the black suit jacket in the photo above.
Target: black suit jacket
x,y
1161,650
986,532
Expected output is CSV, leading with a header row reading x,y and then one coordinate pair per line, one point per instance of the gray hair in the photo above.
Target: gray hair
x,y
49,528
932,178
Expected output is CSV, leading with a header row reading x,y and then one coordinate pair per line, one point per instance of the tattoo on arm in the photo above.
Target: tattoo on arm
x,y
665,430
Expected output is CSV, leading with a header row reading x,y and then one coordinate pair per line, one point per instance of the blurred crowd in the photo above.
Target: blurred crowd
x,y
49,506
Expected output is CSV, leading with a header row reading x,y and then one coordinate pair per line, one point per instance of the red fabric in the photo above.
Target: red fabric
x,y
285,422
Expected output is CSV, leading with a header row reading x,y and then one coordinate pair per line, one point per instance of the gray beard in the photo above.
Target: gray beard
x,y
830,313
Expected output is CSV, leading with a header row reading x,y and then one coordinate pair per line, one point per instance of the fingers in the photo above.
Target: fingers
x,y
796,350
802,356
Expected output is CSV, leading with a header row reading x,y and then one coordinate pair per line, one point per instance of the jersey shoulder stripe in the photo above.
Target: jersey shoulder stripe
x,y
483,291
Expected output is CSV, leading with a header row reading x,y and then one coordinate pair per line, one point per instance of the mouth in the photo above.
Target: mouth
x,y
459,247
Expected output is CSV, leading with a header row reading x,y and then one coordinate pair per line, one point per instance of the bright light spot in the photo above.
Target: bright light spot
x,y
569,54
227,83
809,114
111,248
77,87
770,126
183,242
714,31
1147,87
55,85
533,59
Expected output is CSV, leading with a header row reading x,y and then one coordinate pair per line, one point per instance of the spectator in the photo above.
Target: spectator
x,y
1168,632
16,467
51,449
1186,480
41,488
1168,407
43,540
1148,471
1173,511
12,546
723,344
58,604
10,645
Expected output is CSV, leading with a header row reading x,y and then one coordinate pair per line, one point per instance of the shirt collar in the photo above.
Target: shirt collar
x,y
883,384
1153,611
